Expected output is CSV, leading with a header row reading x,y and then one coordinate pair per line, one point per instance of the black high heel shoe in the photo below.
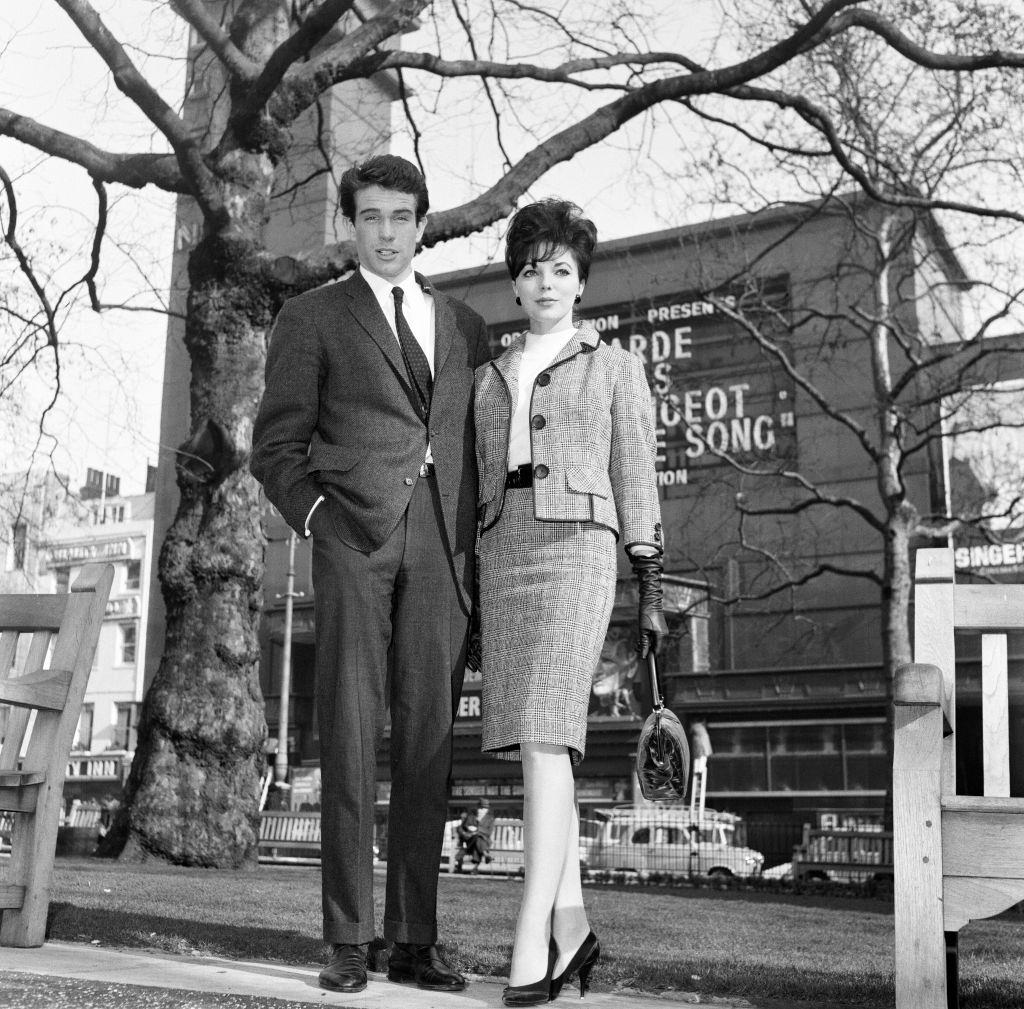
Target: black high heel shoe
x,y
582,962
533,994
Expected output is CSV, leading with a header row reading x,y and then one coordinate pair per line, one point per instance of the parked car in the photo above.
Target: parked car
x,y
643,839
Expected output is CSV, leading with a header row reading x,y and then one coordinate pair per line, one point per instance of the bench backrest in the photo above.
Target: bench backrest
x,y
943,609
47,643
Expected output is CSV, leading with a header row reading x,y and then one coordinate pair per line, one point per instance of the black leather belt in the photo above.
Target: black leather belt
x,y
426,469
521,476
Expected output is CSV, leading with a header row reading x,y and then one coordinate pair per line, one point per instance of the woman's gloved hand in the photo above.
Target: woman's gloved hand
x,y
651,626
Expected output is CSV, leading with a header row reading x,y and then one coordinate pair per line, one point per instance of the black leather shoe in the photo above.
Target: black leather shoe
x,y
347,970
423,966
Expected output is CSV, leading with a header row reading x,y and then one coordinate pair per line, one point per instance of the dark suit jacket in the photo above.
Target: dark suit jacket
x,y
338,418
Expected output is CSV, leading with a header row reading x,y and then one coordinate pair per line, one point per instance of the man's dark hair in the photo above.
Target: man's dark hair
x,y
539,230
389,172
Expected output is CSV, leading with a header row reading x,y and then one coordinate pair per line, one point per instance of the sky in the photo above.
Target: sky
x,y
113,362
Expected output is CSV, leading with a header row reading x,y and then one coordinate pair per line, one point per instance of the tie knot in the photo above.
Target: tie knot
x,y
397,293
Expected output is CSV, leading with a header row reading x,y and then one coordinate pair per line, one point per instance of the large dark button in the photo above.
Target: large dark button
x,y
539,472
538,422
543,378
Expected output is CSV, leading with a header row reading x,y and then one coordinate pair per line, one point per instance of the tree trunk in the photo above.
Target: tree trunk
x,y
192,796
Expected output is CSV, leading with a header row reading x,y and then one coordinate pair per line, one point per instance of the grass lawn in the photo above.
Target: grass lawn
x,y
752,944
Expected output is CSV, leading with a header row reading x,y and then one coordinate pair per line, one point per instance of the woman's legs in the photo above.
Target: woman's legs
x,y
549,813
569,923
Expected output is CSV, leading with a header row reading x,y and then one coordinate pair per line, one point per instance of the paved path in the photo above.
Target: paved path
x,y
71,976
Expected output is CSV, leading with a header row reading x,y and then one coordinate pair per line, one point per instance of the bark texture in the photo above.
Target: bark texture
x,y
192,797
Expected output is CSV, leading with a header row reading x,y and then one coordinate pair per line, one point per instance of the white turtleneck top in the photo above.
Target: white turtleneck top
x,y
541,349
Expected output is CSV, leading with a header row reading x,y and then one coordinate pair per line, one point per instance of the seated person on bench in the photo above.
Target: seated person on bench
x,y
474,833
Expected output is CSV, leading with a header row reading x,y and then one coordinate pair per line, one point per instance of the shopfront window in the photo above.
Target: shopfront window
x,y
798,756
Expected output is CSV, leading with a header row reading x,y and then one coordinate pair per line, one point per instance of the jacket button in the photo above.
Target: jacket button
x,y
543,379
408,481
539,472
538,422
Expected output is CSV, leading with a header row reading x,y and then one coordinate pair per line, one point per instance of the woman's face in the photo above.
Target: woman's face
x,y
548,289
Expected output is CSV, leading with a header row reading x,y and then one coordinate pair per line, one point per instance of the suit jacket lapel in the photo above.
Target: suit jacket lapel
x,y
585,336
366,311
444,324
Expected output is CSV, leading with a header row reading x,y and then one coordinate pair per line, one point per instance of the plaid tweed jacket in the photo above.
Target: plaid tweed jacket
x,y
591,435
339,417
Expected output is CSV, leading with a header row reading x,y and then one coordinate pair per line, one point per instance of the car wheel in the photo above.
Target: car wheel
x,y
719,873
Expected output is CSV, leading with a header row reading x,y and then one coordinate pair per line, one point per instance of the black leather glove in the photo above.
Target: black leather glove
x,y
651,625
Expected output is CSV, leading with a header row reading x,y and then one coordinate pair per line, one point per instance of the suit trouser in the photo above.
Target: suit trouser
x,y
390,630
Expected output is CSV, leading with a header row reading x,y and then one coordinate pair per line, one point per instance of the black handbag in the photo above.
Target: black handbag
x,y
662,752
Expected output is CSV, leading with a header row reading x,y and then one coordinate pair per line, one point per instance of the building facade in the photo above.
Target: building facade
x,y
64,532
788,678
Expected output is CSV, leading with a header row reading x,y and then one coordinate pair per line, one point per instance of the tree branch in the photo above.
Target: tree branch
x,y
24,264
134,86
288,89
996,59
133,170
212,32
297,46
339,63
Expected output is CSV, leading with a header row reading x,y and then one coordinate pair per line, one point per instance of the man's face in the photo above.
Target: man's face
x,y
387,232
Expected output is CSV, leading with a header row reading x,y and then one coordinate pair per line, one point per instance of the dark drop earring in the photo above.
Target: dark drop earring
x,y
579,298
519,301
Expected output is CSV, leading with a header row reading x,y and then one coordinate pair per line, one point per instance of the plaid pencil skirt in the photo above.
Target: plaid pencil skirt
x,y
546,596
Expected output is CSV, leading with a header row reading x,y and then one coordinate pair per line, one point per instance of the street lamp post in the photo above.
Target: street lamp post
x,y
289,595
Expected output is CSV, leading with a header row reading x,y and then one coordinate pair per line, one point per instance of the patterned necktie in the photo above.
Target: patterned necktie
x,y
415,360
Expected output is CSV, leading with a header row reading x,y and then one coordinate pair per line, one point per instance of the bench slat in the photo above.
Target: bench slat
x,y
996,608
985,844
46,689
24,613
12,896
995,715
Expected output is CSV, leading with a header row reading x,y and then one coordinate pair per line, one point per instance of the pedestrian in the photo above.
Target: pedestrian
x,y
364,441
565,450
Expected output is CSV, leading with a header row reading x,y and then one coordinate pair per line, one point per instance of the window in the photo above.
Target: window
x,y
83,734
129,639
63,576
19,537
133,575
125,727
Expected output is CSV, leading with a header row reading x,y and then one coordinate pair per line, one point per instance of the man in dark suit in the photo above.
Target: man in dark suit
x,y
364,440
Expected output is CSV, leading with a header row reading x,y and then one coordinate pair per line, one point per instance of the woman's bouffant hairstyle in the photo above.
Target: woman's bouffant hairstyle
x,y
389,172
540,229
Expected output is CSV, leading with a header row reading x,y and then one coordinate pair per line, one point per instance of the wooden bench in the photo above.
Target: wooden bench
x,y
853,856
47,643
506,846
284,831
957,857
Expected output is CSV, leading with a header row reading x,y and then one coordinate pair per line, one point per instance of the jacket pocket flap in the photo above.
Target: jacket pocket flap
x,y
337,458
588,479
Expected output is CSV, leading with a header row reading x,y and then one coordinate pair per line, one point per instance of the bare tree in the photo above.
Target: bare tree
x,y
900,333
192,796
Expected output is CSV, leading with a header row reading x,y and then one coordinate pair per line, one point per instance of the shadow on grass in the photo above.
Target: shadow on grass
x,y
811,896
71,923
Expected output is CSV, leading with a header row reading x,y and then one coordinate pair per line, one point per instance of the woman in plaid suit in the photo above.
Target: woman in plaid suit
x,y
565,447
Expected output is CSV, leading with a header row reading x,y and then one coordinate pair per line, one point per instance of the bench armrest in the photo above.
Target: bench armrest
x,y
921,683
